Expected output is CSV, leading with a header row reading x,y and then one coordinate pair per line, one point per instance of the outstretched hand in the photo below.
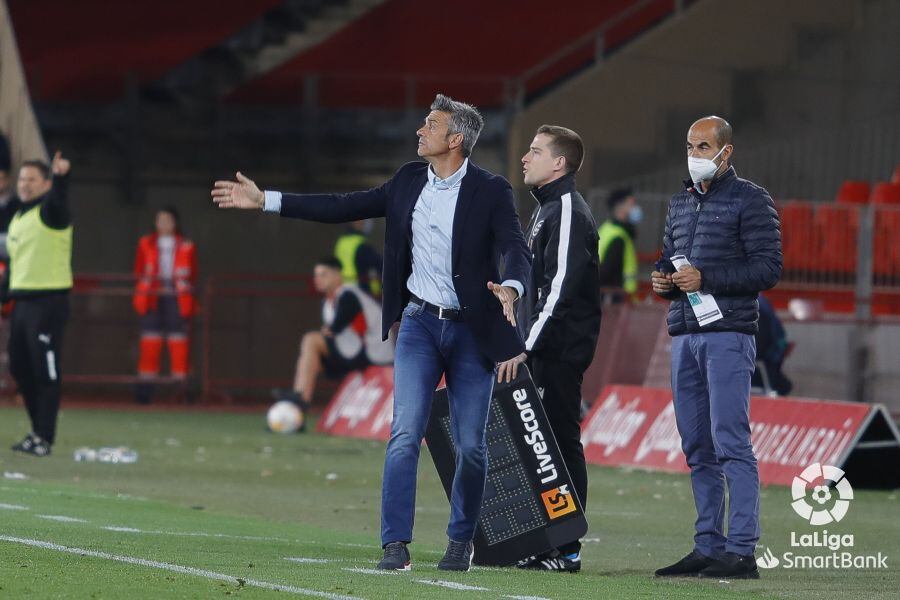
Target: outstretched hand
x,y
507,296
241,193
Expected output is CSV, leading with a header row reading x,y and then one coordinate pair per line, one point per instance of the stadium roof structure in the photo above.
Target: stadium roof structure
x,y
357,53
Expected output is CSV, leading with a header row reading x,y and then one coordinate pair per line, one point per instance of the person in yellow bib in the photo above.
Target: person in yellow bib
x,y
38,280
618,258
360,261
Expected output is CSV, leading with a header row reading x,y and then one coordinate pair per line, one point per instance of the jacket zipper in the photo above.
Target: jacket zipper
x,y
691,251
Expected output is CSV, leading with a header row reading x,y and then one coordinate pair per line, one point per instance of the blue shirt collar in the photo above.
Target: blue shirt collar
x,y
452,181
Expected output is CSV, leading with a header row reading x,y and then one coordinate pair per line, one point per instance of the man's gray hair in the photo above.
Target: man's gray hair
x,y
464,119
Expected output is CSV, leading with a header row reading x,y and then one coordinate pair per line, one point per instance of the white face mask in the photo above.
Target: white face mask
x,y
703,169
635,214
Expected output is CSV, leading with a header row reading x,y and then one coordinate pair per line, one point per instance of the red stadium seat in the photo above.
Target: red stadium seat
x,y
886,193
853,192
798,236
837,230
895,178
886,246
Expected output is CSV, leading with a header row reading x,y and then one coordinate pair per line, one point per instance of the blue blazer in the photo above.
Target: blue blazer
x,y
485,227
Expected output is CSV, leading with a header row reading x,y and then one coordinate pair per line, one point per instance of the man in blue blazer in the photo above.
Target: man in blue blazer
x,y
448,223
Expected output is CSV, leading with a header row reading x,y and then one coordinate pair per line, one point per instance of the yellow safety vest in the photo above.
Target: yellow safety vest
x,y
40,257
345,251
608,232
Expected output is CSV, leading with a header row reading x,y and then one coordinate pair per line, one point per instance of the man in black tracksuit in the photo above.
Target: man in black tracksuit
x,y
38,280
560,313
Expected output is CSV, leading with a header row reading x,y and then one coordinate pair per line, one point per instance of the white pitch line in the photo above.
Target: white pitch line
x,y
175,568
525,597
369,571
314,561
5,506
374,547
253,538
61,518
452,585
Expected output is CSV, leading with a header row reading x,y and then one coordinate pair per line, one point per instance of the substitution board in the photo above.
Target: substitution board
x,y
530,505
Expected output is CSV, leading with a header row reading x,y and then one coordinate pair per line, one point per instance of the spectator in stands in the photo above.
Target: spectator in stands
x,y
39,279
560,314
771,350
618,259
449,223
360,261
350,337
728,228
165,267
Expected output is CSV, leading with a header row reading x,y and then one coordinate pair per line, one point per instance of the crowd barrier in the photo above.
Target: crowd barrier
x,y
633,426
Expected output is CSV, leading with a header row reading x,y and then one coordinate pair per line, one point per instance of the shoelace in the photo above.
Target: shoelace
x,y
393,551
457,550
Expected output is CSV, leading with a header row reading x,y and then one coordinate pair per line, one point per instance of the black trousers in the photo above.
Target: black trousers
x,y
561,385
35,343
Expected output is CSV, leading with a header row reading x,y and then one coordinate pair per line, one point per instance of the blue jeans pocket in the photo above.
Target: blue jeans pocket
x,y
411,309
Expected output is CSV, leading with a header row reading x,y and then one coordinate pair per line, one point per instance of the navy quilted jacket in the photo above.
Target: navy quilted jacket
x,y
732,235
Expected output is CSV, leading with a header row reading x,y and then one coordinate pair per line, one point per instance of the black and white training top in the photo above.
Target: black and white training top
x,y
560,315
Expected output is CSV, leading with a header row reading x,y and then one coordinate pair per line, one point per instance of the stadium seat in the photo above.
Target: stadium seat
x,y
886,246
797,236
853,192
895,178
886,193
837,230
391,29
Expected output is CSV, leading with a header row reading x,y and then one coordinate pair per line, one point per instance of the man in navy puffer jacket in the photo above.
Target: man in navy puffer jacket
x,y
728,229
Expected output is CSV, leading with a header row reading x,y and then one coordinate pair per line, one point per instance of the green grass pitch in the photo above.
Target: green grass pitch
x,y
217,507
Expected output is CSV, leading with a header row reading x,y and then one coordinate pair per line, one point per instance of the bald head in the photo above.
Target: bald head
x,y
713,128
708,138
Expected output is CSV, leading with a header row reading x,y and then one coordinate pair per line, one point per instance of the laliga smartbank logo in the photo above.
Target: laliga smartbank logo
x,y
821,495
818,511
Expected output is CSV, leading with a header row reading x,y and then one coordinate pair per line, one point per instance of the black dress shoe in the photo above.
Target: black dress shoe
x,y
732,566
689,566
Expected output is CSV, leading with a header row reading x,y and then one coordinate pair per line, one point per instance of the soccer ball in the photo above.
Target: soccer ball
x,y
284,417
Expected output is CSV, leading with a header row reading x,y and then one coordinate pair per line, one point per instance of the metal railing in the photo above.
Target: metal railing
x,y
592,47
809,168
256,296
843,257
246,333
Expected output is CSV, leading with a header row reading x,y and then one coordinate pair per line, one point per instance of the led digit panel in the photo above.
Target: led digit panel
x,y
529,504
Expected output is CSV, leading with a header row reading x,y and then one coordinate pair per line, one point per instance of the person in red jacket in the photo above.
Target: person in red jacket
x,y
166,269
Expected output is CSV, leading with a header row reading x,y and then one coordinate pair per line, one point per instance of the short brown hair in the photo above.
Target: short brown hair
x,y
566,143
39,165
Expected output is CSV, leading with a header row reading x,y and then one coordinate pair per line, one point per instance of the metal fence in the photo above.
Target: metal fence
x,y
845,257
809,168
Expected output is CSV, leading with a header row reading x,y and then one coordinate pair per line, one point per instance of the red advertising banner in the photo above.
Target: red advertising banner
x,y
635,426
362,406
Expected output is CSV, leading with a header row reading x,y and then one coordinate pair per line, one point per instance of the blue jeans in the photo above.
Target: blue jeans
x,y
427,348
711,386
